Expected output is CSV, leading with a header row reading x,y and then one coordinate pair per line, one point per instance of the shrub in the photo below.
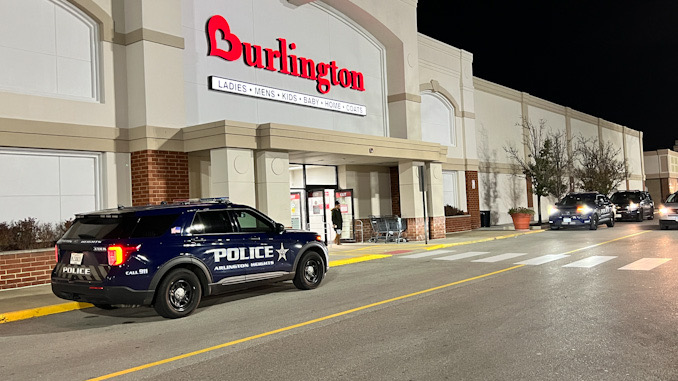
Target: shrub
x,y
30,234
521,209
452,211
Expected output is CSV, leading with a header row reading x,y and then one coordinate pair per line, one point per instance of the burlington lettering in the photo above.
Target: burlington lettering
x,y
287,64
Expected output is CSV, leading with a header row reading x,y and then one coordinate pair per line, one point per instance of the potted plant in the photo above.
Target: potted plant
x,y
521,217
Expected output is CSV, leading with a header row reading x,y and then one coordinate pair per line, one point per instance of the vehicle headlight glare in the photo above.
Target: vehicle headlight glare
x,y
552,210
663,211
633,206
584,209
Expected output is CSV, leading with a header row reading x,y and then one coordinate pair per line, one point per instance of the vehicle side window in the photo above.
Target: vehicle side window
x,y
211,222
250,222
153,226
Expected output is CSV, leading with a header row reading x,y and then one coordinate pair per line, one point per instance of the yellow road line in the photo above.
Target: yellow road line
x,y
294,326
362,258
444,245
606,242
41,311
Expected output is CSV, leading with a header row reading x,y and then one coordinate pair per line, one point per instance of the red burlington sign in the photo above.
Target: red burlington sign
x,y
286,64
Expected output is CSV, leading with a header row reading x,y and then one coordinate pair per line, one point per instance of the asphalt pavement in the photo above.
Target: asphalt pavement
x,y
30,302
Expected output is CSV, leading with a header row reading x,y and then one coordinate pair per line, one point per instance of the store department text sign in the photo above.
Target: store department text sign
x,y
252,90
279,60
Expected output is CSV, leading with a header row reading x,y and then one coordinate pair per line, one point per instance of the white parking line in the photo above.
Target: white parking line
x,y
645,264
543,259
461,256
500,257
591,261
426,254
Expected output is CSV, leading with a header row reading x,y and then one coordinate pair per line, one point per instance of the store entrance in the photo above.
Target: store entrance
x,y
313,191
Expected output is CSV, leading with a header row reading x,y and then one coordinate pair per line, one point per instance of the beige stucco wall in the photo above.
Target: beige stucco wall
x,y
499,109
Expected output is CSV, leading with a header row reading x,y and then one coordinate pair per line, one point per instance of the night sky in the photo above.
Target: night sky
x,y
617,60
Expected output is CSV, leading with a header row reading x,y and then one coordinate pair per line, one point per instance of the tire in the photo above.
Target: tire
x,y
554,227
310,271
640,218
610,223
178,295
651,214
104,306
594,222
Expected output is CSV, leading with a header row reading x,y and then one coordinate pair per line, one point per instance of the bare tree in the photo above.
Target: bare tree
x,y
561,164
598,168
547,163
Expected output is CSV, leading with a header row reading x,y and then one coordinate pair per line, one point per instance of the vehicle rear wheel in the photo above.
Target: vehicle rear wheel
x,y
310,271
178,295
594,222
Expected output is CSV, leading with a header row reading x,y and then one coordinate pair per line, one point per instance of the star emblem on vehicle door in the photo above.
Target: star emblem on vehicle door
x,y
282,252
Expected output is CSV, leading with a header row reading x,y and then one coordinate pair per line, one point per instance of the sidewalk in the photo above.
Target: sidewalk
x,y
28,302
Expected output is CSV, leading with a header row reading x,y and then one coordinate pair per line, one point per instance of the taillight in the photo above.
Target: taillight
x,y
56,253
118,254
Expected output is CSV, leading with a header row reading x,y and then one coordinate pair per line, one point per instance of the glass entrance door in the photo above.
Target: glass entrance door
x,y
297,209
316,213
345,198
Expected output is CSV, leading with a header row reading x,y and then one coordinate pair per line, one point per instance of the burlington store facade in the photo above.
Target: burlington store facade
x,y
284,105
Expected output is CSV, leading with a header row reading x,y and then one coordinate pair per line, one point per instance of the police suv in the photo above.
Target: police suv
x,y
169,256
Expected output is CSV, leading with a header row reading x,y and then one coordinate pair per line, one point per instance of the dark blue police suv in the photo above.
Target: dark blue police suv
x,y
169,256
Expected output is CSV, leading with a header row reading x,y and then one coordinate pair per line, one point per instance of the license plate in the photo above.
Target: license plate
x,y
76,258
567,220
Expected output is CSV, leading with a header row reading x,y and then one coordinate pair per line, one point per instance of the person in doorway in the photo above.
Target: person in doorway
x,y
337,222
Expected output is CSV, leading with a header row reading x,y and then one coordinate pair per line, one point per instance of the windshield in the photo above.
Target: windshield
x,y
673,198
577,199
622,197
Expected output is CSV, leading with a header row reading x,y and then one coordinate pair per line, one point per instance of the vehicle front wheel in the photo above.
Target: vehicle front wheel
x,y
555,227
594,222
178,295
639,217
610,223
310,271
651,214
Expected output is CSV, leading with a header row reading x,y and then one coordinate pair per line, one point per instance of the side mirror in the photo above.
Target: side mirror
x,y
279,228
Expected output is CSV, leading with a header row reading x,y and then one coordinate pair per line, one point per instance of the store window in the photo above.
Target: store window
x,y
437,119
450,189
48,48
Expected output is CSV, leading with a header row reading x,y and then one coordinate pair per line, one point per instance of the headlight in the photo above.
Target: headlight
x,y
633,206
553,210
663,210
584,209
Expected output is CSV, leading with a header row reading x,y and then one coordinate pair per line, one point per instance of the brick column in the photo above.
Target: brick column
x,y
395,191
159,176
472,198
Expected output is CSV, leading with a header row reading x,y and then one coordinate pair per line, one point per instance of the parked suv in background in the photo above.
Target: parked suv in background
x,y
633,205
668,212
169,256
582,209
